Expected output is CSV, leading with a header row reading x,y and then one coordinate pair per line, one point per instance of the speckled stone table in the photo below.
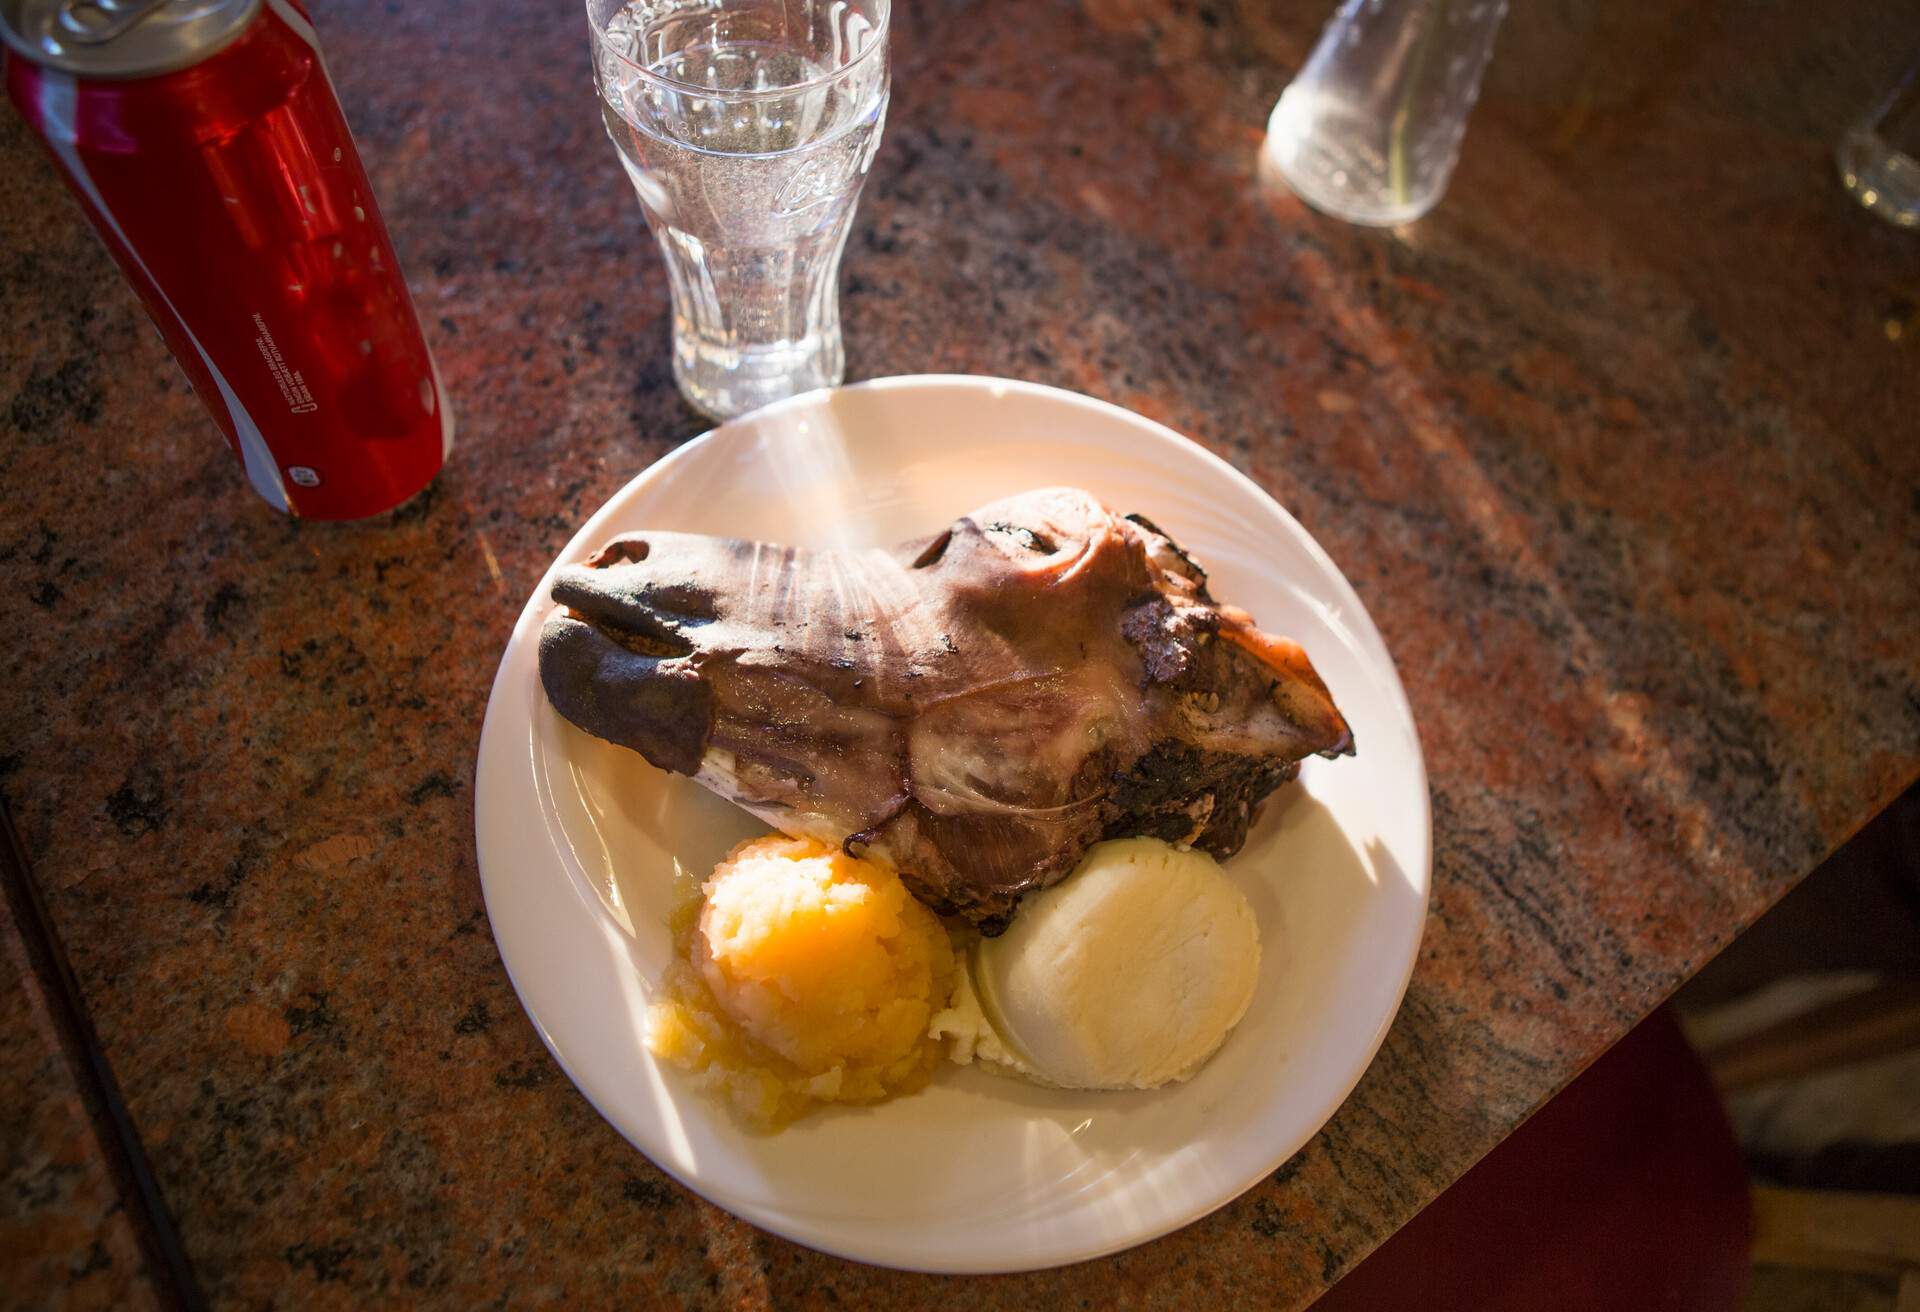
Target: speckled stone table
x,y
1621,447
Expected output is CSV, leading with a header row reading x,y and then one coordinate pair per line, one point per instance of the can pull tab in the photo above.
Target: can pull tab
x,y
96,22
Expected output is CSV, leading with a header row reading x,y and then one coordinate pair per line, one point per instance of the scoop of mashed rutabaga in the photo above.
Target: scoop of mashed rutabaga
x,y
801,976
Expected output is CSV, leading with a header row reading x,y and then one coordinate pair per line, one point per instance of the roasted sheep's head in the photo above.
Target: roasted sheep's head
x,y
974,709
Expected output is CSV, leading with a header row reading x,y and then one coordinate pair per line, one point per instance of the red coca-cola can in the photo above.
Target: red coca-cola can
x,y
204,141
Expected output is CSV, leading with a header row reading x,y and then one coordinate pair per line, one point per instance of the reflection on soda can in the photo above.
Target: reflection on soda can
x,y
204,142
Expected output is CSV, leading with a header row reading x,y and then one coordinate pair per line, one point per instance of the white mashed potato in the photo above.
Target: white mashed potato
x,y
1128,974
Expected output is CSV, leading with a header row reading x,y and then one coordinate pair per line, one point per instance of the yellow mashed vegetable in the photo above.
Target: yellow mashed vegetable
x,y
801,976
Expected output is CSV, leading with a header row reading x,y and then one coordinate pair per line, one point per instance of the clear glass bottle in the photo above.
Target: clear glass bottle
x,y
1370,130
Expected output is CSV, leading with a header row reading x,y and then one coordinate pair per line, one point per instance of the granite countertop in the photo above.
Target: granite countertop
x,y
1619,446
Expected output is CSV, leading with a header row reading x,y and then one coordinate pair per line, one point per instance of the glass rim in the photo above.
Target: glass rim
x,y
881,32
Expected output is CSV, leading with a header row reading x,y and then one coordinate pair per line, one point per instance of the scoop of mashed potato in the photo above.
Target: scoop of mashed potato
x,y
802,976
1129,974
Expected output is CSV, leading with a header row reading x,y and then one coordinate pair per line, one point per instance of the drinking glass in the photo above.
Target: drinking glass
x,y
747,128
1370,130
1879,157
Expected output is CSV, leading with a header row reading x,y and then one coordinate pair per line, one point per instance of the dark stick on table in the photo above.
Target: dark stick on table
x,y
152,1224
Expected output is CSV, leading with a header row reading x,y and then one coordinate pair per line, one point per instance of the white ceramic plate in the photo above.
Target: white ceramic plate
x,y
578,842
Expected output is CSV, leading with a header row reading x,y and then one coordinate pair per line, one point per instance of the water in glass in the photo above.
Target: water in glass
x,y
747,129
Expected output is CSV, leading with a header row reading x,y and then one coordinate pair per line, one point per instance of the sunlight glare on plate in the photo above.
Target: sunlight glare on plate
x,y
606,883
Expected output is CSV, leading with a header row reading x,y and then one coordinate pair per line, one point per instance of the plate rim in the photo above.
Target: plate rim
x,y
822,1237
